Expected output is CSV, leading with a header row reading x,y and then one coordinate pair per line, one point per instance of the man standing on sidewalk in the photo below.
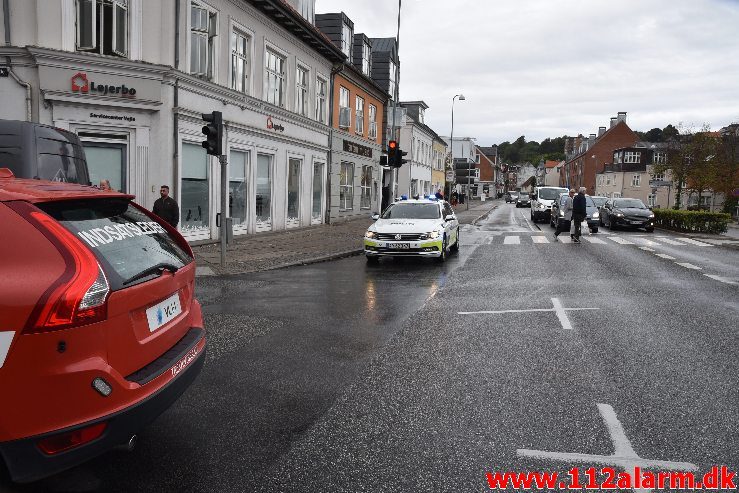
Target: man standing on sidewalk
x,y
166,207
579,213
567,214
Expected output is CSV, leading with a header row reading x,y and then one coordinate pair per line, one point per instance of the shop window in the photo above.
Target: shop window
x,y
264,192
366,188
346,187
102,26
238,163
106,162
195,203
317,206
293,192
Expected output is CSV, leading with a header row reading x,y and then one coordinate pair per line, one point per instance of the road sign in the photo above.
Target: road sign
x,y
659,183
450,176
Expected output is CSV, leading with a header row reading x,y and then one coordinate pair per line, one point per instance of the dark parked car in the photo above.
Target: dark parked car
x,y
523,200
628,213
592,212
511,196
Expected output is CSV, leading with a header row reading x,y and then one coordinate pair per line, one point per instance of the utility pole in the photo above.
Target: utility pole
x,y
396,95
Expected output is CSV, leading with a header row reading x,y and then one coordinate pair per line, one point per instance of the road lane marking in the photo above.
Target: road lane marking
x,y
527,222
620,241
647,242
671,242
539,239
688,266
623,455
596,241
646,249
724,280
558,309
564,239
512,240
664,256
691,241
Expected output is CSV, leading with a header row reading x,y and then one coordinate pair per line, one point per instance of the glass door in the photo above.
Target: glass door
x,y
317,208
195,192
293,193
264,193
107,162
238,190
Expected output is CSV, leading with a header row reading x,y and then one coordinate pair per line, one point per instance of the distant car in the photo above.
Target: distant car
x,y
628,213
592,212
100,329
422,228
542,200
511,197
523,200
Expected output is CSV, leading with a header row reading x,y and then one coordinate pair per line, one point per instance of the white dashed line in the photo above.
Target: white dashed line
x,y
671,242
688,266
724,280
646,249
620,241
664,256
596,241
694,242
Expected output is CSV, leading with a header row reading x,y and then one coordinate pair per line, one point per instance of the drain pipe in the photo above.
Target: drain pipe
x,y
26,85
176,102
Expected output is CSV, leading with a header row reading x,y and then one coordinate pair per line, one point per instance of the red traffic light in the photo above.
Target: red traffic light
x,y
392,145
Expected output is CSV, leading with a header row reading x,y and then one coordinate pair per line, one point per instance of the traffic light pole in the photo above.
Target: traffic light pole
x,y
225,221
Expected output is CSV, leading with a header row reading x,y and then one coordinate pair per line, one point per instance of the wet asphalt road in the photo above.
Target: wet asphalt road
x,y
344,377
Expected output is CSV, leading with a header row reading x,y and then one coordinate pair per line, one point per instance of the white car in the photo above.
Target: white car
x,y
423,228
542,200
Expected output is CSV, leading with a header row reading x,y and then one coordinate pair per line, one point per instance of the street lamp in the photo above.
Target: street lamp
x,y
451,138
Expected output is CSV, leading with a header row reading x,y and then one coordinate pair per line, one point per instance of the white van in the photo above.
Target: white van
x,y
541,202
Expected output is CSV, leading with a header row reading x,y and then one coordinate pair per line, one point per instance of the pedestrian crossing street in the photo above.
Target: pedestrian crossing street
x,y
541,239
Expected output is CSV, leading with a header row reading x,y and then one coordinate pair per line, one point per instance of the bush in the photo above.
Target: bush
x,y
692,221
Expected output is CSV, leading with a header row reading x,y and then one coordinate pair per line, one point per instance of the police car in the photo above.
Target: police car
x,y
424,227
100,331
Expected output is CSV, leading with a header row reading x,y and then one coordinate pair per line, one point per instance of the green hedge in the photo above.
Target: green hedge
x,y
692,221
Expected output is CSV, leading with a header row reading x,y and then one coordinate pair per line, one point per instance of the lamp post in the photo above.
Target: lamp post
x,y
451,138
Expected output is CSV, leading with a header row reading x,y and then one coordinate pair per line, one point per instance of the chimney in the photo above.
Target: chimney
x,y
621,116
613,121
591,140
601,131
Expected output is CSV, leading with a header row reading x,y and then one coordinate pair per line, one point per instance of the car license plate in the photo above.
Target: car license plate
x,y
400,246
636,222
163,312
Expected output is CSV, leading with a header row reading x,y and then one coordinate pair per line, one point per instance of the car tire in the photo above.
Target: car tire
x,y
593,230
611,226
372,260
442,258
455,247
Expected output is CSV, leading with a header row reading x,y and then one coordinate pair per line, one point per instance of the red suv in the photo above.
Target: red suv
x,y
99,329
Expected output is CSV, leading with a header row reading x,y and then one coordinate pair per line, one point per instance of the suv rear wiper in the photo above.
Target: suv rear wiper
x,y
154,269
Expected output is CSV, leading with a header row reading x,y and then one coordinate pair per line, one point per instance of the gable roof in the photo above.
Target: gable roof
x,y
551,164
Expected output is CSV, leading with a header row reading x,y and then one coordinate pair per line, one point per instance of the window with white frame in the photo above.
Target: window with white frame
x,y
345,111
659,176
203,30
359,124
346,187
651,200
391,78
477,173
631,157
372,121
420,115
660,157
366,58
239,61
365,187
274,78
636,180
102,26
305,7
301,91
346,39
608,180
321,86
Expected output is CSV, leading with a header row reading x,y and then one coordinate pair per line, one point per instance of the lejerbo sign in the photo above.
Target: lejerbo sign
x,y
81,85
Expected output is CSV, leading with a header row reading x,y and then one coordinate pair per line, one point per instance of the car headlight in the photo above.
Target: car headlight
x,y
651,216
433,235
596,215
370,234
619,214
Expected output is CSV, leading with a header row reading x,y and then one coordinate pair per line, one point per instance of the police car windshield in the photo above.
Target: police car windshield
x,y
412,211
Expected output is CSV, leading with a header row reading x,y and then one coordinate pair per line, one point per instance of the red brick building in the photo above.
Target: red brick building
x,y
585,157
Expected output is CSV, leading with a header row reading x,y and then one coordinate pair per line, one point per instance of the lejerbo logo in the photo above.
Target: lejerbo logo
x,y
81,84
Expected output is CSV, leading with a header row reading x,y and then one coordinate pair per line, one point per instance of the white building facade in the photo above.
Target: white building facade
x,y
133,78
417,139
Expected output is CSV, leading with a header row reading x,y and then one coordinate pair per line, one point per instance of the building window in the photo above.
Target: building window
x,y
203,30
636,180
346,39
366,58
414,188
346,187
293,192
659,176
420,115
301,91
238,190
631,157
321,85
660,157
239,61
345,112
195,189
608,180
102,26
305,7
391,78
264,192
366,188
274,81
372,121
651,200
359,124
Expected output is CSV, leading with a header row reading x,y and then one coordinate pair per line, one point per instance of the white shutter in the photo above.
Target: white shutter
x,y
86,24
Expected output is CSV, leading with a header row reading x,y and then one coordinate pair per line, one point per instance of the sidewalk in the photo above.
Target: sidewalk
x,y
267,251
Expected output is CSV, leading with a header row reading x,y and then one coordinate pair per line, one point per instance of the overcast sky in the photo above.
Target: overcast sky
x,y
547,68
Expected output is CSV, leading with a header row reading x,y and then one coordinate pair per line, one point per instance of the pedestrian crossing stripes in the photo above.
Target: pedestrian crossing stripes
x,y
620,241
595,241
642,243
670,242
512,240
539,239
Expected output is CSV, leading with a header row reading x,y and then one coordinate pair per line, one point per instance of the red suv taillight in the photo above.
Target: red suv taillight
x,y
65,441
79,296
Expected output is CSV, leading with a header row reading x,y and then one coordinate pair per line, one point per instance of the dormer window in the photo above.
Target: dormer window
x,y
420,115
346,39
366,58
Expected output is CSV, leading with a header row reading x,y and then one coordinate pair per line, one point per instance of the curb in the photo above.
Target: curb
x,y
307,261
484,214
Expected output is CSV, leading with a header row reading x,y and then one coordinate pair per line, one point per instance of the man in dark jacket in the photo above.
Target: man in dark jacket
x,y
166,207
579,212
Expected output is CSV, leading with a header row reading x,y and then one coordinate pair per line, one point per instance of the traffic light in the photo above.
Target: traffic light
x,y
395,155
399,158
465,172
214,133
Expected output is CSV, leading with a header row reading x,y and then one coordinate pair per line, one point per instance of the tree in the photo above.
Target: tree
x,y
654,135
670,132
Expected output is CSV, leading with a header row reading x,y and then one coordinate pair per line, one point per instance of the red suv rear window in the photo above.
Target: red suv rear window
x,y
131,246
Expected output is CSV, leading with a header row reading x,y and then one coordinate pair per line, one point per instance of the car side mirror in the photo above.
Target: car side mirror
x,y
375,216
449,217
